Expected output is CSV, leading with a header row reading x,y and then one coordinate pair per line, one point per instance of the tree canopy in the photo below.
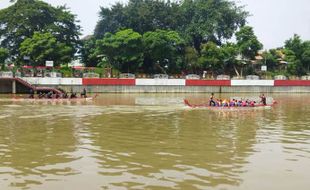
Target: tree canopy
x,y
123,49
25,17
196,20
140,15
247,42
148,36
210,20
42,47
4,54
297,55
162,48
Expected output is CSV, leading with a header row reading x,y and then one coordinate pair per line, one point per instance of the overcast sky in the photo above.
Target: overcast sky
x,y
274,21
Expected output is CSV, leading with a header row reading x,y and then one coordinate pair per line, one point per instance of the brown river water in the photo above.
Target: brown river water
x,y
153,141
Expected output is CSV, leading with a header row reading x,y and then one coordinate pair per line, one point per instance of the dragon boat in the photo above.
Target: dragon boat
x,y
60,100
206,105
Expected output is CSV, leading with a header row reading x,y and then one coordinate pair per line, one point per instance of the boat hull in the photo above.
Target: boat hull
x,y
186,102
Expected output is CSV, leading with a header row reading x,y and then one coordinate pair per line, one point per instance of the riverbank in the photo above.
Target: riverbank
x,y
113,85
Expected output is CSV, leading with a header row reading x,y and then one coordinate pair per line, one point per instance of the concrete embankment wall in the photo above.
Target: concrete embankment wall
x,y
186,89
102,85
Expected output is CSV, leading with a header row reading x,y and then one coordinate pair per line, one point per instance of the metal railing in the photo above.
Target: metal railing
x,y
127,76
280,77
91,75
11,74
223,77
252,77
161,76
192,76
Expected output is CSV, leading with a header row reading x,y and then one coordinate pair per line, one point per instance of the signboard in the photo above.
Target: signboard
x,y
49,63
264,68
26,58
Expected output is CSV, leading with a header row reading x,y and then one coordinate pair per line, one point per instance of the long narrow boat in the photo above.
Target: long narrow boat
x,y
186,102
16,99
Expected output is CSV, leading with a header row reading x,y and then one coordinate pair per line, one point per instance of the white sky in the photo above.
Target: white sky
x,y
274,21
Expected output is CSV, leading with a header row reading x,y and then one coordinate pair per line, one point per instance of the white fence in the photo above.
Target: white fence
x,y
160,82
53,81
252,82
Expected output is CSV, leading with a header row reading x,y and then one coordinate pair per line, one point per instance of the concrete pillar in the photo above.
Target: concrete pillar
x,y
14,87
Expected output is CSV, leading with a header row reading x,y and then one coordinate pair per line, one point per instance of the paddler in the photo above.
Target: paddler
x,y
83,93
50,95
263,99
31,93
73,95
211,100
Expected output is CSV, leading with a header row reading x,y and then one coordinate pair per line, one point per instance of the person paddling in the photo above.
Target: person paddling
x,y
73,95
263,99
31,93
83,93
211,100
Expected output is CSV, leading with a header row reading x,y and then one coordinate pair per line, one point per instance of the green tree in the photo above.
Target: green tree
x,y
271,59
210,20
110,20
89,55
25,17
123,50
140,15
295,44
212,57
44,46
293,62
198,21
191,60
4,54
231,64
247,42
300,50
305,57
162,51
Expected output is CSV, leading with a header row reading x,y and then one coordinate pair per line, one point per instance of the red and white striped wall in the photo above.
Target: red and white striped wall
x,y
53,81
161,82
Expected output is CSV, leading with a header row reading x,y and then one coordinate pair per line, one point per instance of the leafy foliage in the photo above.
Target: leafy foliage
x,y
140,15
247,42
150,36
297,55
123,49
191,60
162,50
4,54
44,46
197,21
210,20
88,52
25,17
211,57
